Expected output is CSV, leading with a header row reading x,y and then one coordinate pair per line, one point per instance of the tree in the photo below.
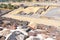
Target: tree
x,y
3,6
29,0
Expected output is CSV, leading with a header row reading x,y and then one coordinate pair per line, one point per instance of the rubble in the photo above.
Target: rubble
x,y
22,30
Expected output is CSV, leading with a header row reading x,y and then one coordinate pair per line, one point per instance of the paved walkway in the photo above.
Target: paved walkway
x,y
45,21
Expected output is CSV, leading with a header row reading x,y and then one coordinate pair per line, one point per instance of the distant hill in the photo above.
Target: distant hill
x,y
13,0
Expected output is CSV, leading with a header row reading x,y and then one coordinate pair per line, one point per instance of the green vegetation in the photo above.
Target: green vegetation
x,y
8,6
29,0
